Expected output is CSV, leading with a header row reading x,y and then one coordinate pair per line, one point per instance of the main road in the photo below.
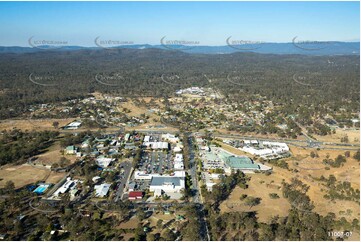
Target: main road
x,y
124,181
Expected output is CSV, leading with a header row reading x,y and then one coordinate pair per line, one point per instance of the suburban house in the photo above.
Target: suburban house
x,y
102,190
73,125
104,162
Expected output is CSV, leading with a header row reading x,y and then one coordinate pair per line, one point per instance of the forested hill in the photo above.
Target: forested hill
x,y
296,47
50,76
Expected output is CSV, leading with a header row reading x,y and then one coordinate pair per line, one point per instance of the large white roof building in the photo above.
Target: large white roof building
x,y
156,145
266,148
178,162
104,162
102,190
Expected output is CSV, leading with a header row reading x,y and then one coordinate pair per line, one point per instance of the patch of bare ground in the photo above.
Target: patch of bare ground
x,y
309,170
260,186
352,134
34,124
22,175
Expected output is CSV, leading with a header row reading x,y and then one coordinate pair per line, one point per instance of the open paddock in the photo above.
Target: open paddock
x,y
53,155
260,186
32,124
352,134
22,175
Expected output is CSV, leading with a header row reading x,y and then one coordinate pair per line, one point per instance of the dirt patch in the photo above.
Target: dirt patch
x,y
308,171
36,124
130,224
53,155
352,134
55,177
22,175
260,186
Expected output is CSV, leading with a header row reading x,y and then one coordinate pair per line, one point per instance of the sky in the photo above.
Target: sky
x,y
204,23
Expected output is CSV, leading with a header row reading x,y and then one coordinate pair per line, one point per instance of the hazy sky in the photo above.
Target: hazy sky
x,y
209,23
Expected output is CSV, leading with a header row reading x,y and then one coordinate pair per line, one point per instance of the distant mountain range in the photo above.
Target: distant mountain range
x,y
321,48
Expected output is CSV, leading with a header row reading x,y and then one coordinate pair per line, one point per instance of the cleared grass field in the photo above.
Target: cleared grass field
x,y
260,186
352,134
55,177
22,175
35,124
252,135
308,169
132,223
53,155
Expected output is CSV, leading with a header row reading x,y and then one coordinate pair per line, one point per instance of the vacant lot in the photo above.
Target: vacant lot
x,y
22,175
252,135
132,223
260,186
53,155
32,124
306,165
55,177
308,169
136,110
352,134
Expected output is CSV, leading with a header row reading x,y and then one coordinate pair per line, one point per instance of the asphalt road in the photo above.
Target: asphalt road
x,y
122,184
193,169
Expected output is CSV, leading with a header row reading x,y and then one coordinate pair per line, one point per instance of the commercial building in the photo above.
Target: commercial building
x,y
69,183
265,149
156,145
168,184
170,137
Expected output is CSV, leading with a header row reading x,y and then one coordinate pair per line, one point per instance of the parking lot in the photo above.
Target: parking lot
x,y
153,162
156,162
